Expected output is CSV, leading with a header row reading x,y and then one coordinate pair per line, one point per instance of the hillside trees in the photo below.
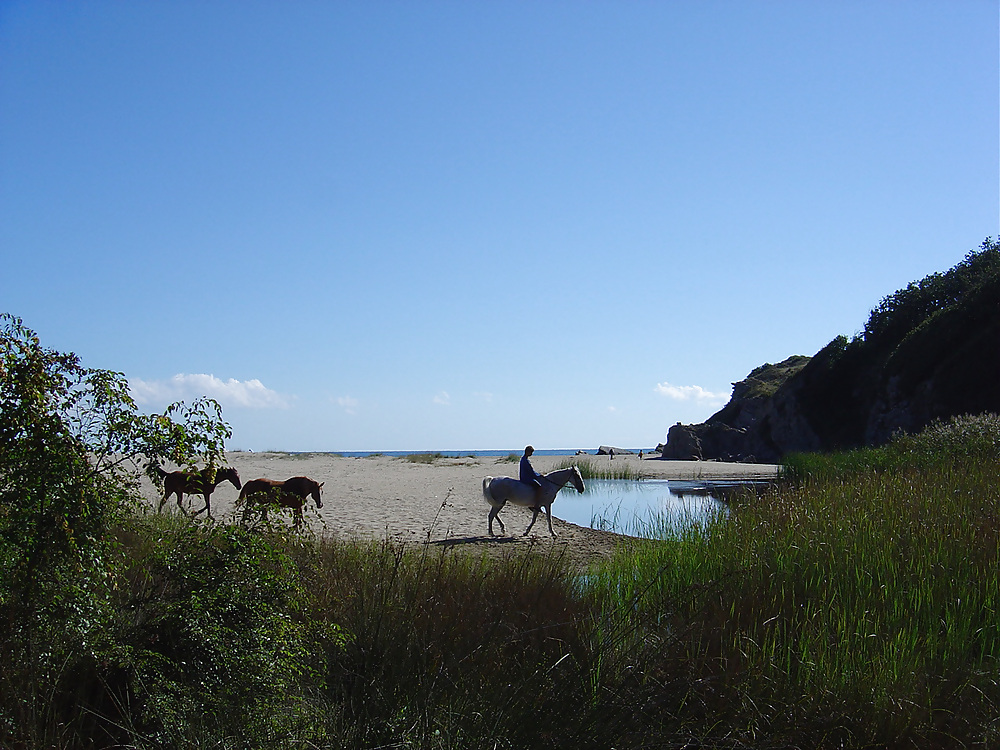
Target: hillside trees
x,y
929,351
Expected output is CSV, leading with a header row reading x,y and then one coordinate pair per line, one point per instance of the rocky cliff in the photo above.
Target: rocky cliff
x,y
929,351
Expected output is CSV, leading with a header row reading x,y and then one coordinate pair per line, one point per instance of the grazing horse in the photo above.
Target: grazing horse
x,y
201,483
498,491
291,493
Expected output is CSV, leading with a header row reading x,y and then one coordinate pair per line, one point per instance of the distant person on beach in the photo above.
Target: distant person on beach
x,y
528,475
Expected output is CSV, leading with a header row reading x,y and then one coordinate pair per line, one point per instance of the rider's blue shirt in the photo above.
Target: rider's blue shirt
x,y
528,473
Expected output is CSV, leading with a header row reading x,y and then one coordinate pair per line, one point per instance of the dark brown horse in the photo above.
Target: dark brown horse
x,y
201,483
291,493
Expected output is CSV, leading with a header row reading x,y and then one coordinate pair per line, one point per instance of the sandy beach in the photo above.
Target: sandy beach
x,y
438,503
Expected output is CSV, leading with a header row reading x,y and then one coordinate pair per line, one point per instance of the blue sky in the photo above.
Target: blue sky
x,y
451,225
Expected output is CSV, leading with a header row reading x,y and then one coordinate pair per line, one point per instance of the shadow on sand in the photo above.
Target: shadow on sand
x,y
455,541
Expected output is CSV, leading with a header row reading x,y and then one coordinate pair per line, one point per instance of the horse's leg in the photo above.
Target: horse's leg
x,y
208,505
540,502
495,513
534,515
548,515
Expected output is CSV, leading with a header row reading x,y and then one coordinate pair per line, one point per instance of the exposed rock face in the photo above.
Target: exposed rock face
x,y
759,418
930,351
682,443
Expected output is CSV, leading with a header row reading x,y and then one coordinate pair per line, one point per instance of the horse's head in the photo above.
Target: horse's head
x,y
577,479
232,475
315,493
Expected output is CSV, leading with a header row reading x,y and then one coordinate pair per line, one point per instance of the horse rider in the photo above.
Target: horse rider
x,y
528,475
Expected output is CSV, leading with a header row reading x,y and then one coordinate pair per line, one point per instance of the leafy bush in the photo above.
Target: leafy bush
x,y
967,436
69,441
216,644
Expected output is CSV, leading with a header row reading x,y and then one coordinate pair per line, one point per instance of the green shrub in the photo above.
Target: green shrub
x,y
218,646
68,437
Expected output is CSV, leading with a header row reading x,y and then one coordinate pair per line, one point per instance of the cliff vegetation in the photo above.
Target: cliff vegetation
x,y
928,351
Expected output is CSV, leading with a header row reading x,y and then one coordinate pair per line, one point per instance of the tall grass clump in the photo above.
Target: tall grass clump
x,y
446,651
940,444
422,458
591,469
849,607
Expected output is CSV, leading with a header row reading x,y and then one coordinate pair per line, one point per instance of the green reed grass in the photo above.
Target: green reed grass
x,y
596,469
445,650
864,607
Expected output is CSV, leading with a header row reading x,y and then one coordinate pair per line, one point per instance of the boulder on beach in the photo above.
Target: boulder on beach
x,y
606,450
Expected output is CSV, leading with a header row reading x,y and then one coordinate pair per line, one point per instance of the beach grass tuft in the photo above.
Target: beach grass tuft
x,y
422,458
591,468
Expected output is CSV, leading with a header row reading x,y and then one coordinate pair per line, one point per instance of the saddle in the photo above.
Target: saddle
x,y
535,486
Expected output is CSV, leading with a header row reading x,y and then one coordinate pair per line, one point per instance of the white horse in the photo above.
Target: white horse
x,y
498,491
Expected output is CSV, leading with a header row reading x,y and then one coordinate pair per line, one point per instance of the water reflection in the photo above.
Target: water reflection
x,y
630,507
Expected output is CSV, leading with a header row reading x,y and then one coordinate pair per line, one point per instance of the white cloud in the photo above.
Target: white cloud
x,y
348,404
442,399
690,393
251,394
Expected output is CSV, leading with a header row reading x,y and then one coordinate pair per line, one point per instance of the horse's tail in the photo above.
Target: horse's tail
x,y
486,490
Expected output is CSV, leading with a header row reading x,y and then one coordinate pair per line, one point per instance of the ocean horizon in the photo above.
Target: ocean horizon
x,y
476,453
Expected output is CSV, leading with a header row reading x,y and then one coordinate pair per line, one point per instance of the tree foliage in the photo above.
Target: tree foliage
x,y
901,312
929,350
71,442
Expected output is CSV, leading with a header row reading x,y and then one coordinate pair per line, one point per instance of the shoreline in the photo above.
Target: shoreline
x,y
472,453
437,503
